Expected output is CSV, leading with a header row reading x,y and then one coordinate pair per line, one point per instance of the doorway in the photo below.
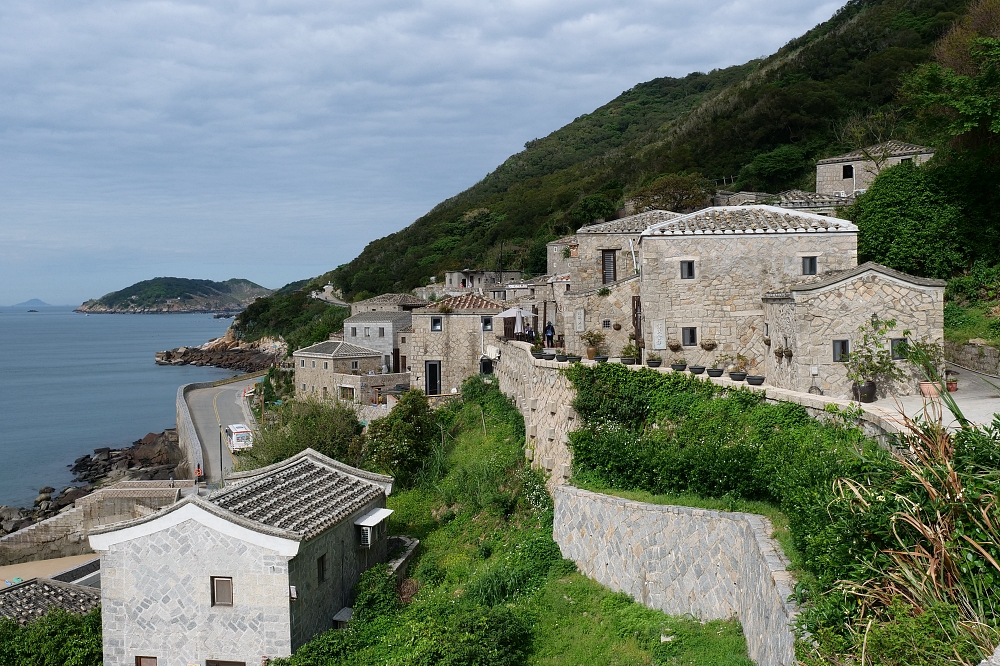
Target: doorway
x,y
432,373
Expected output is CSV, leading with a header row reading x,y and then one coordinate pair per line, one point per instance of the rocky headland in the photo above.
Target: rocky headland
x,y
167,295
154,457
228,352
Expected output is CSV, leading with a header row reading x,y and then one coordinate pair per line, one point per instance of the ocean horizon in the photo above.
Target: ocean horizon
x,y
71,383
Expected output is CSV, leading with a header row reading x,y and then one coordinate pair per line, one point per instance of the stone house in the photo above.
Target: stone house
x,y
388,303
368,389
317,366
854,172
704,274
477,279
379,331
818,322
449,340
249,573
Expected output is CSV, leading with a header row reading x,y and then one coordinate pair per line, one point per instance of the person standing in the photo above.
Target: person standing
x,y
550,334
529,334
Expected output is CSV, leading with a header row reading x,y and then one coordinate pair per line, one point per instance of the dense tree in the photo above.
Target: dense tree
x,y
676,192
398,444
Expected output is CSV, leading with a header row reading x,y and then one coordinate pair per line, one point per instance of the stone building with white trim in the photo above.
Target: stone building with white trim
x,y
249,573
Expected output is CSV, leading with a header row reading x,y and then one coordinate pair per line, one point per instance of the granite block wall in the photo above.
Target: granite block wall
x,y
458,346
981,358
710,564
156,599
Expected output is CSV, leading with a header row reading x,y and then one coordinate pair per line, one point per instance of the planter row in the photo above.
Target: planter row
x,y
753,380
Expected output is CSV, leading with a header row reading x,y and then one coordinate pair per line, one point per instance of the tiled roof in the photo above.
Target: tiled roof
x,y
833,277
801,198
749,220
565,240
34,598
393,299
632,224
890,148
467,302
337,349
366,317
305,494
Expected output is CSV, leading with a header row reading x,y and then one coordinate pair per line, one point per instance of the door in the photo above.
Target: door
x,y
215,662
608,268
432,373
637,319
508,328
395,360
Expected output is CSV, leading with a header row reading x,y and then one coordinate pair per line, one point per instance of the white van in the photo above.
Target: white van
x,y
238,437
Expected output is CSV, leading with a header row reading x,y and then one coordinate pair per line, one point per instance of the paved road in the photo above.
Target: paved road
x,y
211,410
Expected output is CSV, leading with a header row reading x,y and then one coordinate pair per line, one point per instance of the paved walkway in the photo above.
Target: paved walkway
x,y
42,568
978,396
212,409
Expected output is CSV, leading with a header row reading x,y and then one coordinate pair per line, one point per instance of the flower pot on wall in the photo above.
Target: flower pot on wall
x,y
627,360
674,345
767,341
678,367
755,380
788,353
601,359
737,376
708,345
561,358
696,369
715,372
573,359
864,392
591,352
654,362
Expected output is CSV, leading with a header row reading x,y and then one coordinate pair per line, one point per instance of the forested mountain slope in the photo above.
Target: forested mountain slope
x,y
764,123
171,294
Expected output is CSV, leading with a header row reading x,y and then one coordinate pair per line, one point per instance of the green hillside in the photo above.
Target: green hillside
x,y
764,123
171,294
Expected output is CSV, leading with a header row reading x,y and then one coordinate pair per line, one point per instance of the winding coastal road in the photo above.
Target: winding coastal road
x,y
211,410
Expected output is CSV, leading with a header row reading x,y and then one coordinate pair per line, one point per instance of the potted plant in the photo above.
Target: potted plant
x,y
870,362
737,366
678,364
715,370
573,358
601,359
950,381
536,351
561,355
927,358
629,354
674,345
594,340
696,369
654,360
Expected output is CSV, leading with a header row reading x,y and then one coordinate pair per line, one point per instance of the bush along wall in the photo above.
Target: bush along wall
x,y
899,550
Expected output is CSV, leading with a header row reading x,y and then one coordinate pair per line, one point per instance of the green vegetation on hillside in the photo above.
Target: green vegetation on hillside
x,y
900,552
231,294
294,316
56,639
489,587
765,123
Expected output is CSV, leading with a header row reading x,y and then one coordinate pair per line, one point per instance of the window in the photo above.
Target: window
x,y
767,330
314,364
848,171
567,287
355,365
368,331
326,365
324,392
606,323
321,568
687,270
303,387
347,393
608,268
898,348
689,337
809,265
145,661
436,323
487,323
906,159
354,331
302,363
381,331
222,591
403,340
841,348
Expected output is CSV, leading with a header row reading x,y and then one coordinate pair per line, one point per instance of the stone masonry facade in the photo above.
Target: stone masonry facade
x,y
458,346
709,564
142,587
590,310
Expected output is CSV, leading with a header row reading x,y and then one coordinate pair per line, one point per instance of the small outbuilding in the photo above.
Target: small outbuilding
x,y
249,573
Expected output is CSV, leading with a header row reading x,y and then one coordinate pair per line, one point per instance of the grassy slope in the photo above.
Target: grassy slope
x,y
485,527
716,124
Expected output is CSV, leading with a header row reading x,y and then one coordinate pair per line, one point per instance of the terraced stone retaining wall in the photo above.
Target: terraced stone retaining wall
x,y
981,358
681,560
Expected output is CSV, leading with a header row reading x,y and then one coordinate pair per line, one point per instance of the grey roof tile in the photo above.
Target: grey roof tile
x,y
393,299
375,317
890,148
33,598
337,349
749,220
833,277
632,224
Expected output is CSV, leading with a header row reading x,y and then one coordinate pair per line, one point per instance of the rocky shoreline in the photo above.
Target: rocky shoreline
x,y
228,352
154,457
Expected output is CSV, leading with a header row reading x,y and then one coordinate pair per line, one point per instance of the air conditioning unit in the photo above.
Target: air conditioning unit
x,y
366,536
372,526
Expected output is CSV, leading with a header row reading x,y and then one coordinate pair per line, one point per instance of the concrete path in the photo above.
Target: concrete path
x,y
978,396
212,409
42,568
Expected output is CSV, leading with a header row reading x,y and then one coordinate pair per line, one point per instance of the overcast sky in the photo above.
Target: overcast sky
x,y
272,140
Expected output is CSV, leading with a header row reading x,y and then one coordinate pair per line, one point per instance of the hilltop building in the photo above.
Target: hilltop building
x,y
249,573
852,173
339,370
388,303
379,331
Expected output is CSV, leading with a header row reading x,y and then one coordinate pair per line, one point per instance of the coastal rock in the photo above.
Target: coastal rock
x,y
47,490
41,499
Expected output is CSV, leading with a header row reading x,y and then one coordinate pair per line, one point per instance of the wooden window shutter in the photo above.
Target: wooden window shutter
x,y
608,266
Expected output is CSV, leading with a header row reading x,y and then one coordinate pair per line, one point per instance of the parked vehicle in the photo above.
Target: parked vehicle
x,y
238,437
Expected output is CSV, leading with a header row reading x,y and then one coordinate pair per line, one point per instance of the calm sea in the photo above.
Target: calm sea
x,y
70,383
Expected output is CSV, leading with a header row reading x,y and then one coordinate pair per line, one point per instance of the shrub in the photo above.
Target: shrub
x,y
399,443
57,639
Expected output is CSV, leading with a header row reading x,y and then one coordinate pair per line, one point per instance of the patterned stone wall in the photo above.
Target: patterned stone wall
x,y
315,377
616,307
156,599
710,564
346,560
809,322
732,273
830,177
589,273
458,346
981,358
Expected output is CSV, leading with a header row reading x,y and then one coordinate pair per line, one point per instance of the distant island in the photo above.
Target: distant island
x,y
177,295
33,303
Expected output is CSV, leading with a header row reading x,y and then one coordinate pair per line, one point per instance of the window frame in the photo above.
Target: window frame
x,y
606,324
344,393
605,254
354,331
144,661
321,568
689,336
841,350
368,331
437,324
302,363
215,591
810,265
355,365
847,171
326,365
486,323
687,269
381,331
897,347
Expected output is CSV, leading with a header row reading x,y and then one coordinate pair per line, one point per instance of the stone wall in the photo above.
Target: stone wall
x,y
65,534
187,436
732,274
153,606
588,272
710,564
588,310
830,177
345,561
981,358
458,346
318,374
